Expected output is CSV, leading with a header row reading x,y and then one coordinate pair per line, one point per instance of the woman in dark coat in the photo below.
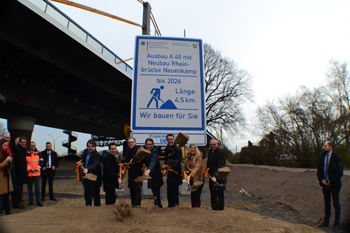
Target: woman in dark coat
x,y
153,169
5,175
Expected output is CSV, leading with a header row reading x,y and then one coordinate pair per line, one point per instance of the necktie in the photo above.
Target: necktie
x,y
49,160
326,170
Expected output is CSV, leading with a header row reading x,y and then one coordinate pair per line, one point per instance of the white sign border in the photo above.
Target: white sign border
x,y
200,129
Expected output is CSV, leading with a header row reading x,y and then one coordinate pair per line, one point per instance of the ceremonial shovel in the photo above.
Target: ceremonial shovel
x,y
120,175
188,186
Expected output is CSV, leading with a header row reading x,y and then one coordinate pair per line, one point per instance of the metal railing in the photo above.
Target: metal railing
x,y
60,17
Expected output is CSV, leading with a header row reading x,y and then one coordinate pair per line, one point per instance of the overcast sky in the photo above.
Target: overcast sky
x,y
282,44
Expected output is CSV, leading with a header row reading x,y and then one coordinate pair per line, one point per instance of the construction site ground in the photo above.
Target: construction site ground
x,y
257,199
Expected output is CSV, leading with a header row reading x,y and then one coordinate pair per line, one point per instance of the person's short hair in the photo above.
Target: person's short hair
x,y
22,138
213,139
149,140
170,135
6,132
32,142
92,142
330,143
49,143
112,144
132,139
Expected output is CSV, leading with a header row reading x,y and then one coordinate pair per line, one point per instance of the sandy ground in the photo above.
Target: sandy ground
x,y
283,200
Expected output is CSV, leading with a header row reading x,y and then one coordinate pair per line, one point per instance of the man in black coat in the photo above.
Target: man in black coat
x,y
135,171
91,162
111,173
174,178
216,160
329,173
20,162
48,171
153,169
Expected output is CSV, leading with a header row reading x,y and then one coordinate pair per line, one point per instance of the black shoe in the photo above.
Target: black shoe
x,y
335,227
323,224
30,203
39,204
19,207
53,199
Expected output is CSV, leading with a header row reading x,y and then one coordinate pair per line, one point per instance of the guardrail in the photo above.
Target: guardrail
x,y
60,17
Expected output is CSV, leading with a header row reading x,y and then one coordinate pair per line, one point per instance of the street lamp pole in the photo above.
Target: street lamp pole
x,y
54,141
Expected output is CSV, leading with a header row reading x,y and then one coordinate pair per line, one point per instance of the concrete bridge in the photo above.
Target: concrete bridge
x,y
54,73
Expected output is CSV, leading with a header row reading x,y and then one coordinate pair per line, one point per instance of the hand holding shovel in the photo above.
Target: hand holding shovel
x,y
119,181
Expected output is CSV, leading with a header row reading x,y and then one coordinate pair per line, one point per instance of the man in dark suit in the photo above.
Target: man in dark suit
x,y
91,163
329,173
135,170
111,177
48,171
216,160
174,178
153,169
19,153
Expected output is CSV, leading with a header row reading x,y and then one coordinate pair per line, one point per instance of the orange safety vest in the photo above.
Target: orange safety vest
x,y
33,163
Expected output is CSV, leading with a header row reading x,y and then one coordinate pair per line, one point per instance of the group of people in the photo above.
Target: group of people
x,y
21,165
114,166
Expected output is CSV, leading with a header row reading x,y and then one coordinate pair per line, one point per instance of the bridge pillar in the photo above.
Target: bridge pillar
x,y
20,125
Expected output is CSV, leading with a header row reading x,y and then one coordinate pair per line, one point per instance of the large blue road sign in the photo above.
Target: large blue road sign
x,y
168,85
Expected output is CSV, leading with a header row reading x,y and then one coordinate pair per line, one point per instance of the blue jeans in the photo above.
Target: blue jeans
x,y
327,193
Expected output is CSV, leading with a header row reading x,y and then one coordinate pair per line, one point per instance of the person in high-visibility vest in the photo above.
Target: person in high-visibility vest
x,y
34,163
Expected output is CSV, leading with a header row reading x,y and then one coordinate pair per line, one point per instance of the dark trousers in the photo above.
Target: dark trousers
x,y
91,191
35,180
6,201
156,196
17,195
47,175
196,195
327,193
110,197
172,194
217,197
135,194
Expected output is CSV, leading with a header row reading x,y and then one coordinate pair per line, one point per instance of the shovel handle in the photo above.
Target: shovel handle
x,y
215,181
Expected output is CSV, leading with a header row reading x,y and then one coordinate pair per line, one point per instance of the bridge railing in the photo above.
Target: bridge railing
x,y
67,22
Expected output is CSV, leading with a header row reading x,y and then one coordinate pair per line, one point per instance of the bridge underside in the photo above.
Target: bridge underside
x,y
47,75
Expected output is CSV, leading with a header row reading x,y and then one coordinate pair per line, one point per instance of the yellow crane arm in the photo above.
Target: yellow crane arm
x,y
83,7
129,59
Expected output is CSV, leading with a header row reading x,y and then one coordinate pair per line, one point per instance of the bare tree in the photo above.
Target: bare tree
x,y
304,121
227,87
